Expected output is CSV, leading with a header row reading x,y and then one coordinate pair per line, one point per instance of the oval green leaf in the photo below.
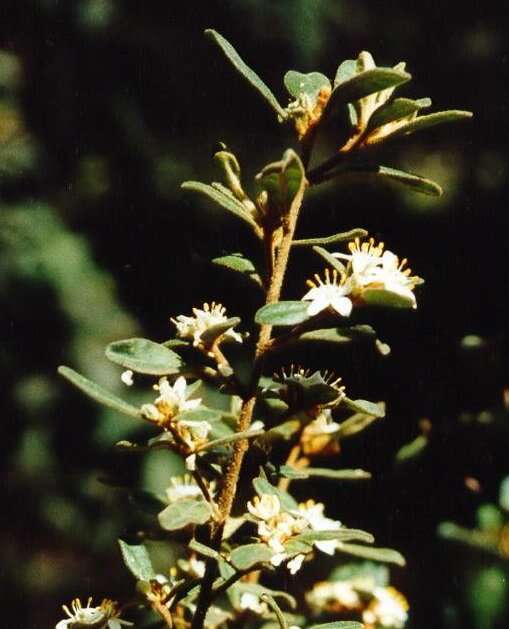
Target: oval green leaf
x,y
245,557
137,560
180,514
298,83
384,555
144,356
364,406
97,393
283,313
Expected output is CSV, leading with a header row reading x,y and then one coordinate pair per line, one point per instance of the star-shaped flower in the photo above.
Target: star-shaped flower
x,y
333,293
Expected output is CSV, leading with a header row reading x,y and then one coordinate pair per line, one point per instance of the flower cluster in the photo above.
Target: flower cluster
x,y
370,270
276,526
379,607
203,320
105,616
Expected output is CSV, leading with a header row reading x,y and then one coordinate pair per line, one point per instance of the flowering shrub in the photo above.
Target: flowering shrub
x,y
230,531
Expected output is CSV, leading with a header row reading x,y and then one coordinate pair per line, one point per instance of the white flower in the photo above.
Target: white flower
x,y
182,488
171,401
318,436
396,280
331,293
106,616
127,377
329,595
203,319
313,513
387,609
294,565
365,259
264,508
251,601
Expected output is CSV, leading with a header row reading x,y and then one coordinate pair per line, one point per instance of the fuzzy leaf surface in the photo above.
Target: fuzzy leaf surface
x,y
298,83
178,515
283,313
144,356
137,559
97,393
244,557
250,75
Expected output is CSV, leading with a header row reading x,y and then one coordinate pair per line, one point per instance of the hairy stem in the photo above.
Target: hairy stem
x,y
229,489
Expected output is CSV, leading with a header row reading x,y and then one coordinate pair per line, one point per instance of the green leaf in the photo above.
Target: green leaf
x,y
144,356
284,431
338,624
284,182
338,335
342,535
256,588
330,259
201,414
364,406
386,298
245,557
298,83
287,471
225,199
385,173
137,559
262,486
251,76
229,439
411,450
296,546
283,313
364,84
181,514
97,393
267,598
355,424
384,555
204,551
431,120
213,333
395,110
324,472
237,262
330,240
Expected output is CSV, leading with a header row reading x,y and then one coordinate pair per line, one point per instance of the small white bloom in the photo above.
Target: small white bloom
x,y
171,401
264,508
387,609
365,259
251,601
295,564
396,280
313,513
329,595
127,377
105,616
182,488
203,319
329,294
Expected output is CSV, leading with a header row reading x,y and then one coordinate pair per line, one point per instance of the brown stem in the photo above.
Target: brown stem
x,y
229,489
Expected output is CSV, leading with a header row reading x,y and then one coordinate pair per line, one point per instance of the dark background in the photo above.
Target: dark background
x,y
105,108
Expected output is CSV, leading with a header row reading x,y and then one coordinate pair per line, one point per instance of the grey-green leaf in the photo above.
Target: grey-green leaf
x,y
386,298
338,624
324,472
224,199
178,515
97,393
137,559
364,406
364,84
338,335
245,557
249,74
330,240
393,110
335,263
284,181
341,534
283,313
385,173
214,332
204,551
385,555
298,83
237,262
144,356
262,486
431,120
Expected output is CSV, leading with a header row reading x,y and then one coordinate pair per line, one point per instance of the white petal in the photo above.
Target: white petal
x,y
327,546
179,387
191,462
295,564
343,306
127,377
